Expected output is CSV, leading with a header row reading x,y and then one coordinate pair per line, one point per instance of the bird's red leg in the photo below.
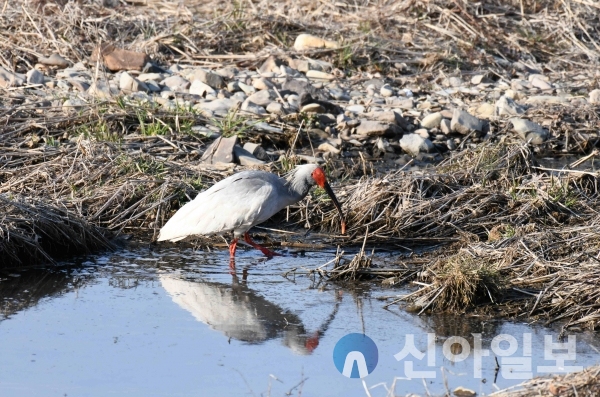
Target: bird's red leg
x,y
232,248
264,250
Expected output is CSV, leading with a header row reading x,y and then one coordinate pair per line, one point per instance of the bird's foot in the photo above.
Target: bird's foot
x,y
268,253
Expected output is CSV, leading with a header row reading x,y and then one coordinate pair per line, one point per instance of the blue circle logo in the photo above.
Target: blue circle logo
x,y
355,355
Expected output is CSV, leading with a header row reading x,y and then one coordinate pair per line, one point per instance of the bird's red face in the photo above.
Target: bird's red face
x,y
319,176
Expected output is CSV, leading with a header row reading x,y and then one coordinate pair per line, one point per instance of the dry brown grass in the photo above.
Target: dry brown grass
x,y
32,232
585,383
422,35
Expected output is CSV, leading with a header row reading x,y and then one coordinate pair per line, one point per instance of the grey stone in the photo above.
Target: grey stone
x,y
202,130
100,89
312,108
520,85
262,84
176,83
150,76
377,83
54,60
485,110
356,108
233,86
541,84
275,108
34,76
529,131
80,85
240,96
245,158
229,72
402,103
211,79
300,86
386,90
129,84
248,89
413,144
547,99
220,151
451,144
328,147
477,79
9,79
72,104
152,86
262,126
339,95
271,64
218,106
200,88
372,128
262,98
422,132
505,106
595,96
455,81
388,116
256,150
250,107
294,101
464,123
445,126
432,120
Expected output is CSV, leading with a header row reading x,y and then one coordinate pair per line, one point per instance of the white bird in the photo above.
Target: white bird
x,y
243,200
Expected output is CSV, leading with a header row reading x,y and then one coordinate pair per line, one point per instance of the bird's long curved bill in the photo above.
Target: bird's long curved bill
x,y
337,205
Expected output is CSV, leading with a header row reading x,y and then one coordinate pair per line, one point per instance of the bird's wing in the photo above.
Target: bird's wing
x,y
237,202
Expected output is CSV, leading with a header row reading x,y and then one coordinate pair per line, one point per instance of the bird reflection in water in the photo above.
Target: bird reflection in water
x,y
241,313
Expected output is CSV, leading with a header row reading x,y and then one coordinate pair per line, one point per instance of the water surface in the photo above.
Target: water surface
x,y
176,322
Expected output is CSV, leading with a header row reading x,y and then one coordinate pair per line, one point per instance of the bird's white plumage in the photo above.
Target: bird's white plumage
x,y
235,204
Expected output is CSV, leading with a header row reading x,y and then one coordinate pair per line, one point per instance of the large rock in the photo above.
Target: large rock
x,y
209,78
595,96
413,144
101,89
263,97
245,158
9,79
256,150
202,89
218,106
432,120
54,60
505,106
117,59
529,131
317,75
34,76
176,83
129,84
308,42
270,65
220,151
250,107
463,123
372,128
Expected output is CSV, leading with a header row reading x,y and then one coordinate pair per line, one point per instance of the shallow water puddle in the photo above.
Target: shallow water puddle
x,y
177,323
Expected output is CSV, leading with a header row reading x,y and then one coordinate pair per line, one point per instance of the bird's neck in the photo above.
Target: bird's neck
x,y
297,189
